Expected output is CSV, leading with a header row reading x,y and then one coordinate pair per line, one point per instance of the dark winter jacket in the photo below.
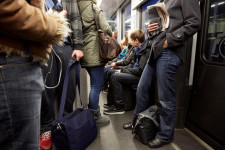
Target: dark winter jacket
x,y
185,20
129,56
141,58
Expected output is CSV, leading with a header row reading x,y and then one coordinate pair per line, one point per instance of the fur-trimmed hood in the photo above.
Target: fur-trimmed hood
x,y
39,33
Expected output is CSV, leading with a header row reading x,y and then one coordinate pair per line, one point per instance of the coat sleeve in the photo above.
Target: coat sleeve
x,y
192,21
129,57
20,20
103,23
76,26
139,69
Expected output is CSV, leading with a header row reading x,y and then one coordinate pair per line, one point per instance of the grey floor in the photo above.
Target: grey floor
x,y
114,137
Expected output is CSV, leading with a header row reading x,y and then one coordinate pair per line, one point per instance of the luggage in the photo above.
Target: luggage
x,y
146,124
76,130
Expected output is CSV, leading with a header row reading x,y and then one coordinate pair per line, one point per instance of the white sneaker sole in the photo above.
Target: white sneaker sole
x,y
114,113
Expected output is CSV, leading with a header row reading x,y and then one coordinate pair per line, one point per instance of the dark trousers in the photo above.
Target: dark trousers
x,y
117,80
49,95
164,71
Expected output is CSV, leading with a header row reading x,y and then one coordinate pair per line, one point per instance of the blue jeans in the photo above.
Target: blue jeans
x,y
164,71
97,78
21,85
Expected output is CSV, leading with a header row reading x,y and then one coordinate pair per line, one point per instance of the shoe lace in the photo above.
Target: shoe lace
x,y
46,135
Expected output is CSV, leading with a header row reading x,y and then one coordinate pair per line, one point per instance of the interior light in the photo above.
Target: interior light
x,y
99,2
221,3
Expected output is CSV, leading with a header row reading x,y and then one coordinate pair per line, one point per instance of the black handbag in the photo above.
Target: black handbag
x,y
146,124
76,130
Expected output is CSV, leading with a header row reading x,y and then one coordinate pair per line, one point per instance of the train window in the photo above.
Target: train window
x,y
145,16
113,24
215,42
126,20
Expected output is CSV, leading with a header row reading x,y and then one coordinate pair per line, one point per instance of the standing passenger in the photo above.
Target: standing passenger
x,y
57,65
162,66
91,60
22,48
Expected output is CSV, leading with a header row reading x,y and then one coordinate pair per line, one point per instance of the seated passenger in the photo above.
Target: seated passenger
x,y
118,63
128,75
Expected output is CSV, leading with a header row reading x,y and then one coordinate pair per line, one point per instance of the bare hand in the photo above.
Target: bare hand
x,y
165,44
64,13
153,27
79,54
113,65
118,71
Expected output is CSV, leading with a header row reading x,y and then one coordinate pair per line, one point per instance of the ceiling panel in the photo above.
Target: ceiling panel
x,y
109,7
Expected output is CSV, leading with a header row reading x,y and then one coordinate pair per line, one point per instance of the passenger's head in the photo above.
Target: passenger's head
x,y
137,37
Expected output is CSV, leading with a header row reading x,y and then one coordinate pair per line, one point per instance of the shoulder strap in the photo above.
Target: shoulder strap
x,y
65,85
96,16
84,9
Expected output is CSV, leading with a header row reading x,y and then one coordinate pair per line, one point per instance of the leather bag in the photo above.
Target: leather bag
x,y
76,130
108,46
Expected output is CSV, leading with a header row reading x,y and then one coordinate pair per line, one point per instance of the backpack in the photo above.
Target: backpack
x,y
146,124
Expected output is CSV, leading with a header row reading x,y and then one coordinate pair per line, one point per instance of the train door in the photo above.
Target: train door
x,y
206,113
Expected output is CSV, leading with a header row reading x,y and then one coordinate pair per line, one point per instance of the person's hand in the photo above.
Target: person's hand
x,y
113,65
79,54
64,13
165,44
153,27
118,71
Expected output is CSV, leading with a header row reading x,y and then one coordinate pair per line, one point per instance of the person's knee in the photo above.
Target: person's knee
x,y
114,78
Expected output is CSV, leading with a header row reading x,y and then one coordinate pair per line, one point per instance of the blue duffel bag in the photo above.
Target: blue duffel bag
x,y
76,130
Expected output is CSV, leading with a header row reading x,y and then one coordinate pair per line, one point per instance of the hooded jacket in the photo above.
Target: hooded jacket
x,y
90,33
21,23
141,58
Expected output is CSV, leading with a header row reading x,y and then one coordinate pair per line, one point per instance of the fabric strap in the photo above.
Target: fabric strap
x,y
96,16
65,85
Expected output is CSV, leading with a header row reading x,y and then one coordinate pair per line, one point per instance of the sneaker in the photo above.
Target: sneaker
x,y
114,111
46,140
105,91
107,105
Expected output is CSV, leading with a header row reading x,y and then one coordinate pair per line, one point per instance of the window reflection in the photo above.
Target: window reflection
x,y
215,44
126,20
145,15
113,25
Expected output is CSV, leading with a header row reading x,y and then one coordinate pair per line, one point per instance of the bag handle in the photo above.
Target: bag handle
x,y
65,85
